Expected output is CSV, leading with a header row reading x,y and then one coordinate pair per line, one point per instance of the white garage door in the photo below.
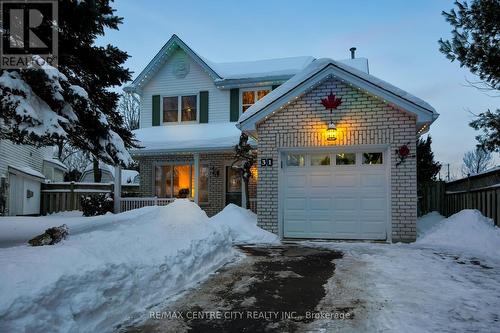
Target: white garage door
x,y
335,195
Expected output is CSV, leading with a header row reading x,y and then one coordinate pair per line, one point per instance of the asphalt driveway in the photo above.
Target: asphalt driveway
x,y
272,289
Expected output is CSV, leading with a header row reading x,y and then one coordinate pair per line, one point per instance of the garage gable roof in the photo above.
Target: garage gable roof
x,y
322,69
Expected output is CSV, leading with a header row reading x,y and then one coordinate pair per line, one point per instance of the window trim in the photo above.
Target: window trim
x,y
191,164
254,89
179,109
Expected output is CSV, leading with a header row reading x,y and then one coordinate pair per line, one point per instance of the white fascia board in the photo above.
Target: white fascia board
x,y
186,151
252,82
160,58
423,115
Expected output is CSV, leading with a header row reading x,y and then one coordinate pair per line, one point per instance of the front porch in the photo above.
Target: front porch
x,y
206,178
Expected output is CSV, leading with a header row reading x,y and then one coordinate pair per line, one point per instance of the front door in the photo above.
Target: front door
x,y
233,186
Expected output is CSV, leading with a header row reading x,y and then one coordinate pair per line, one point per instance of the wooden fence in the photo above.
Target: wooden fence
x,y
434,197
65,196
486,200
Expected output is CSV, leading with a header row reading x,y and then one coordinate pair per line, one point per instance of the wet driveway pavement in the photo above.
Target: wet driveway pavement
x,y
273,289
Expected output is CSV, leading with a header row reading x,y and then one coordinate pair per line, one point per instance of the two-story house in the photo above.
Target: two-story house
x,y
343,172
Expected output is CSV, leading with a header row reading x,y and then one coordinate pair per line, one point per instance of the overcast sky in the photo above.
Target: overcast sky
x,y
398,37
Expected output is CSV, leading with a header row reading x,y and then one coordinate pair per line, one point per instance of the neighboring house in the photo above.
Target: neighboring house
x,y
305,185
22,170
129,177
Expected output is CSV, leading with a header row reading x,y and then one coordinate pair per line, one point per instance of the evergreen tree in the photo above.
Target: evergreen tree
x,y
489,124
475,44
427,168
42,105
475,39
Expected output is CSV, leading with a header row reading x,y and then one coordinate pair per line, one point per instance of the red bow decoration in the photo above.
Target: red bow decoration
x,y
331,102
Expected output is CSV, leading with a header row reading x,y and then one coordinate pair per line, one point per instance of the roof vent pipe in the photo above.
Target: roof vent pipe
x,y
353,52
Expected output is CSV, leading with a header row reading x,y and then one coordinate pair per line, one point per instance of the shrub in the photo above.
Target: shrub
x,y
96,204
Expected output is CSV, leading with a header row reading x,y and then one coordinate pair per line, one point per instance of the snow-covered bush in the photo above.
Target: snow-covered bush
x,y
96,204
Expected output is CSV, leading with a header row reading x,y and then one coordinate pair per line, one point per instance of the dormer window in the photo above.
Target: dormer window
x,y
250,96
180,109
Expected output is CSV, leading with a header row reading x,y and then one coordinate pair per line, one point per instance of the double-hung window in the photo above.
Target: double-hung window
x,y
180,109
250,96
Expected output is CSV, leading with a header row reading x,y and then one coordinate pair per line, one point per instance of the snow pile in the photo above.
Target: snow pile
x,y
427,222
242,225
467,231
93,281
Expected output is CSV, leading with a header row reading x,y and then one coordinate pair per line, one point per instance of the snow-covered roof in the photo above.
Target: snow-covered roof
x,y
56,163
260,68
280,69
190,137
128,176
235,74
321,69
28,171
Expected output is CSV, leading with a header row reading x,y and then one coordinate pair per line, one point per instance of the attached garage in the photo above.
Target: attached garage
x,y
337,153
335,194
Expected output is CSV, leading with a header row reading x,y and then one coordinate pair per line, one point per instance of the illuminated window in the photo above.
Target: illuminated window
x,y
188,108
179,108
249,97
177,181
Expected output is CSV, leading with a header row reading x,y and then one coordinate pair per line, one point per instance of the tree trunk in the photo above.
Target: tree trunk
x,y
60,147
97,171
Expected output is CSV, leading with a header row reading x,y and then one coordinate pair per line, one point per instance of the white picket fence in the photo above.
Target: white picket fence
x,y
130,203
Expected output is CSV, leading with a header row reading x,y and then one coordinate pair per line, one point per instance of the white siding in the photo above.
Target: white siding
x,y
21,156
164,82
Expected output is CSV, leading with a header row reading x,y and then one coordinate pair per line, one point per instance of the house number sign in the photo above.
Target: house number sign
x,y
266,162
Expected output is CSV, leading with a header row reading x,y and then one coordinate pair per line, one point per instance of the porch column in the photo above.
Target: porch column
x,y
196,176
117,189
243,194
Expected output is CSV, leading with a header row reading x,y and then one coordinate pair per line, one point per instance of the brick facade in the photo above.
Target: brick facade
x,y
361,119
216,163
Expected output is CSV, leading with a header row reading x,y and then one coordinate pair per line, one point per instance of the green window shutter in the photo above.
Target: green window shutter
x,y
203,106
275,86
156,110
234,105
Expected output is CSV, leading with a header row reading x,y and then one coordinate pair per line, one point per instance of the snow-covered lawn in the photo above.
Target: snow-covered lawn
x,y
122,265
115,267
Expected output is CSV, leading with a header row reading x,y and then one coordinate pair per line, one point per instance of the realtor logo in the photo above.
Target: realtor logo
x,y
28,28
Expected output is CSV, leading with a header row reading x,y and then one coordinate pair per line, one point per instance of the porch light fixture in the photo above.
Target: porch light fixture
x,y
331,132
330,103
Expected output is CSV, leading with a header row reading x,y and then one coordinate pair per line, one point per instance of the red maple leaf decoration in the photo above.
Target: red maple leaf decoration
x,y
331,102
